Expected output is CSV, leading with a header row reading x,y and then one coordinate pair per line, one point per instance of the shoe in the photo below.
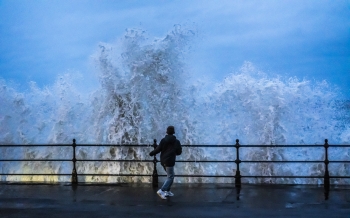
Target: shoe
x,y
161,194
169,193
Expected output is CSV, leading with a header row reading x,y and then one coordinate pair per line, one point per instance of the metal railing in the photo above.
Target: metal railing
x,y
74,175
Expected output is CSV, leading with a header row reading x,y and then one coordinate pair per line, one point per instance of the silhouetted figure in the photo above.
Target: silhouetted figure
x,y
168,147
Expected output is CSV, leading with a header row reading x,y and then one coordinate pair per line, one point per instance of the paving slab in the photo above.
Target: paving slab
x,y
190,200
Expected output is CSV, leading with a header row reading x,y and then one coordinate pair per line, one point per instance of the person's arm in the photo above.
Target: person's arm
x,y
157,150
179,148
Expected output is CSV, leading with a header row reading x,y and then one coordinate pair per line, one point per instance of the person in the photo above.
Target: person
x,y
169,147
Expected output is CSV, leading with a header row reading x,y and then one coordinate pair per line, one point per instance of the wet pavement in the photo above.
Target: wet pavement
x,y
190,200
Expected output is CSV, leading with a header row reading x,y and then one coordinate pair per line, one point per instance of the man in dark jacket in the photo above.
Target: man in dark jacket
x,y
169,147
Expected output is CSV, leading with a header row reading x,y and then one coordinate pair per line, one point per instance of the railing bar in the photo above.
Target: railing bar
x,y
205,161
281,146
253,146
151,175
290,146
213,176
216,146
92,160
34,174
282,161
310,177
92,174
339,161
87,174
253,161
187,146
209,146
155,161
319,177
220,161
190,161
264,146
339,177
49,145
18,160
180,161
110,145
210,176
67,145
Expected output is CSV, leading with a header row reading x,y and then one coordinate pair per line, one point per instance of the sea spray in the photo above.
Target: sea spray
x,y
146,85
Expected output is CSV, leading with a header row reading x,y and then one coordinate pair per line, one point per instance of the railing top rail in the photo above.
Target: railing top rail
x,y
114,145
35,145
265,146
178,161
199,175
70,145
290,146
187,146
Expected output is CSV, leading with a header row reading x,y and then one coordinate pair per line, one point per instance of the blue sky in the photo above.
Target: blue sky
x,y
40,39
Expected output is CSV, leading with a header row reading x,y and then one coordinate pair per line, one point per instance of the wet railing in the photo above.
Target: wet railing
x,y
237,175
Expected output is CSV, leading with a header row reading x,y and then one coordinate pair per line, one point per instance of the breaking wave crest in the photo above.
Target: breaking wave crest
x,y
146,85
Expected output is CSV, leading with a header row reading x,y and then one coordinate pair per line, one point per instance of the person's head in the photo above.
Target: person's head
x,y
170,130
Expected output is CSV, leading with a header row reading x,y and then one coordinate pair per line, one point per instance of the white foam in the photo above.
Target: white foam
x,y
145,86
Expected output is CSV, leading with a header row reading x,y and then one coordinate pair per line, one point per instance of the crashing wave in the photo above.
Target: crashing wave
x,y
145,86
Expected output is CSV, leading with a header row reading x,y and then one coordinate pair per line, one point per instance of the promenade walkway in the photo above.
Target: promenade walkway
x,y
190,200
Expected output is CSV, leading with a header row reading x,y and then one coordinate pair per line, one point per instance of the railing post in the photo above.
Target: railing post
x,y
326,172
74,172
155,173
237,161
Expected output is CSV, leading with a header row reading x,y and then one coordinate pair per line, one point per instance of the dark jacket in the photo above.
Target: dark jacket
x,y
169,147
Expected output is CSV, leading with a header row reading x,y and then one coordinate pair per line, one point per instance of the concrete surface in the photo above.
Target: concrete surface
x,y
190,200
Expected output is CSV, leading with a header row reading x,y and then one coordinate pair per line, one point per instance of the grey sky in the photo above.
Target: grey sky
x,y
41,39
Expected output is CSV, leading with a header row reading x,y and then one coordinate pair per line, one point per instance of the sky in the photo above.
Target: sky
x,y
41,39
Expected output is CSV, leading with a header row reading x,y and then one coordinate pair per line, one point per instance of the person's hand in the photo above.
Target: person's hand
x,y
150,153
